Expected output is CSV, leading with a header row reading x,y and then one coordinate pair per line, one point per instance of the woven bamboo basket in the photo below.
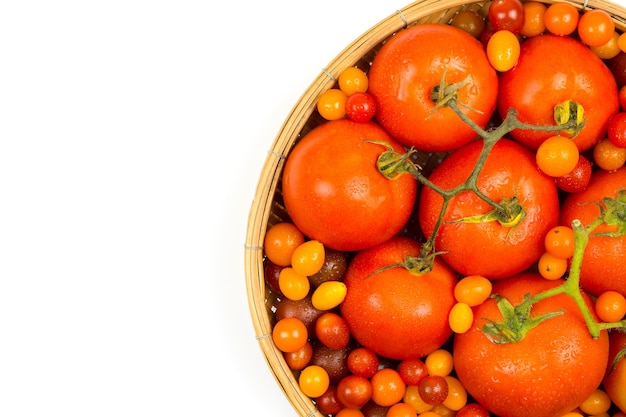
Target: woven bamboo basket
x,y
267,208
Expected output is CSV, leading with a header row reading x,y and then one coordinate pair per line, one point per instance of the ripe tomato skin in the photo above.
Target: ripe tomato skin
x,y
409,66
617,130
603,262
615,380
486,248
334,193
507,15
411,311
550,70
578,179
530,377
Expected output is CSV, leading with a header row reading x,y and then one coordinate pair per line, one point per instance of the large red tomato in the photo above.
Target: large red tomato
x,y
397,314
550,70
604,260
489,248
556,366
334,193
407,69
615,380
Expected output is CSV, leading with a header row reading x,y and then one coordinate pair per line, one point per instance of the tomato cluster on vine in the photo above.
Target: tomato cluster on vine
x,y
391,283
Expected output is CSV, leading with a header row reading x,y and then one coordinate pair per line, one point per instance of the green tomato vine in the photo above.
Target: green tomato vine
x,y
517,321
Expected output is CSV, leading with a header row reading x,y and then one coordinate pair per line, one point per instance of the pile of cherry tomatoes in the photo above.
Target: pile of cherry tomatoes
x,y
395,295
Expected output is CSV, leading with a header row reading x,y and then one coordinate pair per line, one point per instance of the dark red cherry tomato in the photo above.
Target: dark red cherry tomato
x,y
507,15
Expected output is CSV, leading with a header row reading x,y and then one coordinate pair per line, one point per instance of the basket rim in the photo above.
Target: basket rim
x,y
260,209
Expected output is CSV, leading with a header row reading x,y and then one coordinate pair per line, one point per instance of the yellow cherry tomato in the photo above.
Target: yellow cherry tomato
x,y
552,267
503,50
621,42
610,306
329,295
597,403
439,362
557,156
457,394
292,284
413,398
460,318
280,241
353,80
331,104
314,381
472,290
608,156
559,241
534,22
308,258
609,49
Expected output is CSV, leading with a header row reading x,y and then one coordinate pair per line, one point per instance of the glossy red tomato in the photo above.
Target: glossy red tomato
x,y
507,15
489,248
334,193
530,377
604,258
551,70
395,313
615,380
411,65
578,179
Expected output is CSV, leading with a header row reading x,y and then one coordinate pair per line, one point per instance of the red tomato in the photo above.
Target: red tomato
x,y
531,376
615,380
410,65
578,179
603,261
334,193
360,107
489,248
617,130
332,330
507,15
354,391
551,70
392,311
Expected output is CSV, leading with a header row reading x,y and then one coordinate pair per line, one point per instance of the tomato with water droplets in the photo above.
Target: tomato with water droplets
x,y
383,298
550,71
334,192
474,247
406,80
530,376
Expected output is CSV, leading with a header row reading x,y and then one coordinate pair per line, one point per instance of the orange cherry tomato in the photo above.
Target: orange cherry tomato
x,y
596,27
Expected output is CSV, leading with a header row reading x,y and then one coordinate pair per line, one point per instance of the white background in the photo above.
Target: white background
x,y
132,136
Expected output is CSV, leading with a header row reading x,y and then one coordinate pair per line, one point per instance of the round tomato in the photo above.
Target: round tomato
x,y
551,70
406,76
411,311
507,15
530,376
603,261
489,248
334,192
615,380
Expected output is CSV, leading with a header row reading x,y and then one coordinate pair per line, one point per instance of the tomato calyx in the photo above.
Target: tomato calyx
x,y
392,164
570,113
516,320
416,265
509,213
445,93
612,213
